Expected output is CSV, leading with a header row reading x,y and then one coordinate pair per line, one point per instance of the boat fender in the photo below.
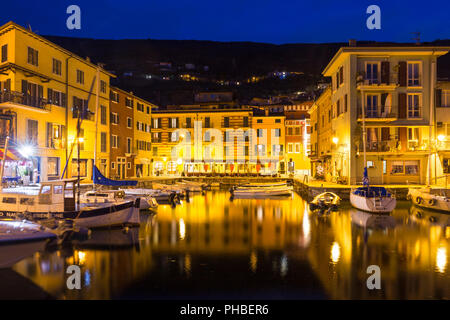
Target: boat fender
x,y
432,202
432,219
419,215
418,200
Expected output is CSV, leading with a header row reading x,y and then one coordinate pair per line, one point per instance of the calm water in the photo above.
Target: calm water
x,y
263,249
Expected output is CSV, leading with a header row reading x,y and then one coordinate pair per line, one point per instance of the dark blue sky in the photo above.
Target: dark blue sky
x,y
274,21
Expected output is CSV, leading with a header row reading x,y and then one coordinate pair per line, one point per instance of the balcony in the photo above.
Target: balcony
x,y
377,83
380,113
394,146
20,100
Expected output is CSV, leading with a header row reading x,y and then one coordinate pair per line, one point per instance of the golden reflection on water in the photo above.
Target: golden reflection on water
x,y
273,238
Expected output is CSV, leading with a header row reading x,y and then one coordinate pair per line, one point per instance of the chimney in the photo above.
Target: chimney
x,y
352,43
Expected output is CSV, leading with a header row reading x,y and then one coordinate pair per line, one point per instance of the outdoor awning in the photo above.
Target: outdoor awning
x,y
10,155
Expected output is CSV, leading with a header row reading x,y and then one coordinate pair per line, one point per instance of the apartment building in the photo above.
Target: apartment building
x,y
44,89
442,128
390,90
195,140
321,136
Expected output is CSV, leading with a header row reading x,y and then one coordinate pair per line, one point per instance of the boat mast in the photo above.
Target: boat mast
x,y
96,120
364,133
5,151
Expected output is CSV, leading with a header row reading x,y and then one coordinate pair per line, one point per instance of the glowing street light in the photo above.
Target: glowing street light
x,y
441,137
335,140
26,151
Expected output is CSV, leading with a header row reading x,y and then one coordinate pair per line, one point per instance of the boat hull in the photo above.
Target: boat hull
x,y
429,201
385,204
91,216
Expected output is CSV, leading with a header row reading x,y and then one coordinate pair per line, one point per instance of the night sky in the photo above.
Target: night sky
x,y
273,21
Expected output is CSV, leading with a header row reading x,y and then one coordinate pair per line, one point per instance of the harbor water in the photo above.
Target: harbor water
x,y
215,248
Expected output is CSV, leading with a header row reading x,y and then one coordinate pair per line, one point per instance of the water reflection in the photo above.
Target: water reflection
x,y
267,248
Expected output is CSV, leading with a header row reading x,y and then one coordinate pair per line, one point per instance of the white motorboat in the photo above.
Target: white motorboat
x,y
189,187
161,196
21,239
431,198
56,199
113,196
373,199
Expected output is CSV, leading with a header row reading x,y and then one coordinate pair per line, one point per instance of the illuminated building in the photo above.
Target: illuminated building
x,y
395,87
43,89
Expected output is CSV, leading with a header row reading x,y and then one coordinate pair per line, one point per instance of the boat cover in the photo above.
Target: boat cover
x,y
372,192
98,178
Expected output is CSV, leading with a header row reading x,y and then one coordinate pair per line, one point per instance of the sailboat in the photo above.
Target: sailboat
x,y
367,198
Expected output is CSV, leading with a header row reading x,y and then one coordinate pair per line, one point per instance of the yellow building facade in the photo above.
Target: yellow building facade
x,y
42,87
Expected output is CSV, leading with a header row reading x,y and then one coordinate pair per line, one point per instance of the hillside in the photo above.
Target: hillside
x,y
153,68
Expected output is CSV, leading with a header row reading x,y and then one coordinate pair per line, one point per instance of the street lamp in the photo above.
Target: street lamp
x,y
441,137
335,140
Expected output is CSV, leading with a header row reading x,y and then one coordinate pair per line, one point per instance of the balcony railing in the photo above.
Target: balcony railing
x,y
393,145
378,81
379,112
24,99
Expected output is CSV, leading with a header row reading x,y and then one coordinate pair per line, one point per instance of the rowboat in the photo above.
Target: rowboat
x,y
261,191
21,239
56,199
431,198
161,196
325,201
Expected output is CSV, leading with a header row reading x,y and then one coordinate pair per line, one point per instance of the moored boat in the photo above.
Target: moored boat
x,y
373,199
20,239
261,191
115,196
325,201
56,199
431,198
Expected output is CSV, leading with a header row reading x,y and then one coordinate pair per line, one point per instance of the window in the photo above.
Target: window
x,y
156,137
277,120
372,73
129,144
412,167
290,131
54,135
129,123
173,122
174,137
290,148
56,98
260,149
259,121
445,100
226,122
113,165
372,106
297,147
297,131
83,167
413,105
114,96
129,102
4,53
102,86
413,74
139,106
207,122
413,138
188,123
33,56
103,142
277,132
156,123
103,115
32,131
80,77
114,141
56,67
259,133
245,124
53,166
114,118
277,150
397,167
